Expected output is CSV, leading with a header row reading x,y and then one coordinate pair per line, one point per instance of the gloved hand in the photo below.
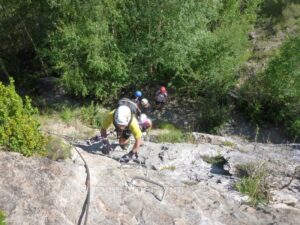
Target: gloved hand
x,y
93,139
129,156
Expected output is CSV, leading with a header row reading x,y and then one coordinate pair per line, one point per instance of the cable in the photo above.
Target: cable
x,y
86,204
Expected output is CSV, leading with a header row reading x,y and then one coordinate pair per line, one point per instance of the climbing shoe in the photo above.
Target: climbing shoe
x,y
105,147
129,157
94,139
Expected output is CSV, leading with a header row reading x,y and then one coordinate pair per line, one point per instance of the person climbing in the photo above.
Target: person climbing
x,y
145,106
137,96
126,124
145,123
161,96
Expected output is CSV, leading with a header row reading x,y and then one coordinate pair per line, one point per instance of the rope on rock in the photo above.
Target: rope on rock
x,y
86,204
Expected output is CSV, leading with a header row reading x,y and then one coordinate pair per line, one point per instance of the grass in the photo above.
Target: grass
x,y
2,218
91,115
215,160
175,136
253,183
58,149
228,144
172,168
171,134
166,125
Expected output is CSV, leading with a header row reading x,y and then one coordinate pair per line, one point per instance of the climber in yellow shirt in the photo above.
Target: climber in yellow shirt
x,y
126,124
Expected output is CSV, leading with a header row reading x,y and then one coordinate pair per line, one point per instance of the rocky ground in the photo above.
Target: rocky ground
x,y
186,189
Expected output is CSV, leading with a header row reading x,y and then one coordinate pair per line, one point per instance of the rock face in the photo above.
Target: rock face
x,y
40,191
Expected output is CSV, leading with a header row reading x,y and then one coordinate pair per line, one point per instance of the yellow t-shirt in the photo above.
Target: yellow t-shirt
x,y
133,126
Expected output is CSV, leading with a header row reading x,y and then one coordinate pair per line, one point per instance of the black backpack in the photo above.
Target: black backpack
x,y
131,104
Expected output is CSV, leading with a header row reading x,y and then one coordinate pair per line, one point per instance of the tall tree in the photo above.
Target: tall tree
x,y
84,51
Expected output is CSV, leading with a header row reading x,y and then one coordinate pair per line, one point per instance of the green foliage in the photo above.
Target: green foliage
x,y
92,115
19,130
212,113
58,149
283,15
165,125
215,160
171,136
83,50
252,183
251,186
98,48
274,8
273,95
2,218
23,29
66,114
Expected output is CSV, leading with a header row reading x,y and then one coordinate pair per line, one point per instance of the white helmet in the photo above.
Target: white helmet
x,y
122,115
143,118
144,102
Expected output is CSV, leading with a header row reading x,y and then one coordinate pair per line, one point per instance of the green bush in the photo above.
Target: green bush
x,y
2,218
212,114
19,130
92,115
57,148
84,51
274,95
66,114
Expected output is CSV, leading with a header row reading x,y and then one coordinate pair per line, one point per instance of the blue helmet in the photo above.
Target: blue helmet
x,y
138,94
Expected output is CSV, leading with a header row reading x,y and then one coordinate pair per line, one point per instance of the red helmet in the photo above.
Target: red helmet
x,y
163,89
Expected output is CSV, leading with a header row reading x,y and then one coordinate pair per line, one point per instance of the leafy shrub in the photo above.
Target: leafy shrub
x,y
19,130
58,149
66,114
274,8
84,51
92,115
273,96
212,114
2,218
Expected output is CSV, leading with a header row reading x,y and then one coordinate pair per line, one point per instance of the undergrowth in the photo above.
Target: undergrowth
x,y
253,183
